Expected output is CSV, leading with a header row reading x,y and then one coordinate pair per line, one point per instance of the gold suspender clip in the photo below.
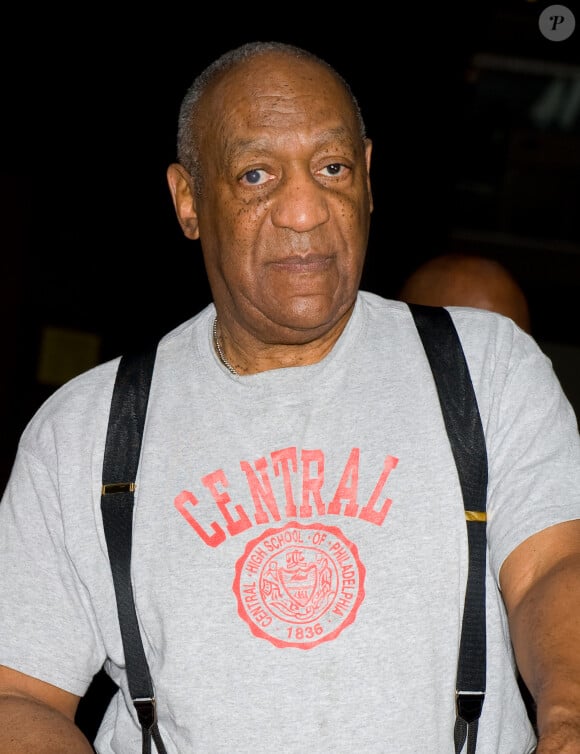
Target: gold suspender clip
x,y
475,516
117,487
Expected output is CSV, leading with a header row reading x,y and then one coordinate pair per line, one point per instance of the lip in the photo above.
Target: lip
x,y
304,263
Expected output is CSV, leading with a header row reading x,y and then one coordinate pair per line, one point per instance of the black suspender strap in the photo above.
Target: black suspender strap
x,y
121,459
463,424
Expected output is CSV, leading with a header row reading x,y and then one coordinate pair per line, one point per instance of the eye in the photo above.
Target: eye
x,y
334,169
255,177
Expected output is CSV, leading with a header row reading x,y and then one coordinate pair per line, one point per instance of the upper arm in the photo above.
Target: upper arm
x,y
14,683
537,557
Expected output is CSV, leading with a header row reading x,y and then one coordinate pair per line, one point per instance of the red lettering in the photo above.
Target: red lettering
x,y
223,499
180,502
285,465
261,491
282,460
347,487
311,485
368,512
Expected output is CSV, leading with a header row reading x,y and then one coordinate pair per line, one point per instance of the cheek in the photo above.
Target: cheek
x,y
354,224
354,211
230,235
243,224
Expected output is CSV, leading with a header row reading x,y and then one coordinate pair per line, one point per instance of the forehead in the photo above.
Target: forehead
x,y
275,93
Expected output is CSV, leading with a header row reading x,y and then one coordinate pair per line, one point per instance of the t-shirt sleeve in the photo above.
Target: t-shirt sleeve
x,y
533,447
47,627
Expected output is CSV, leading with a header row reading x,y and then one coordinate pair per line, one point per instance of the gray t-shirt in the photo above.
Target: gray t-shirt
x,y
299,551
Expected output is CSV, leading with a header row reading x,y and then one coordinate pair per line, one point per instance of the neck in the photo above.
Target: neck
x,y
243,354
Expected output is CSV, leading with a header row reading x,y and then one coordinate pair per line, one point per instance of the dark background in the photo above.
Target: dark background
x,y
475,119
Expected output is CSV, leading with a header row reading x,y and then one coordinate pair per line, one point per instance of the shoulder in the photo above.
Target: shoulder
x,y
496,345
498,352
477,328
77,406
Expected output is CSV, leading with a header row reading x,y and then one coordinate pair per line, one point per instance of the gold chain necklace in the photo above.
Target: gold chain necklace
x,y
220,353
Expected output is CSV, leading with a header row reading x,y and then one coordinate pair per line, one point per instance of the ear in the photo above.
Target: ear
x,y
181,187
368,153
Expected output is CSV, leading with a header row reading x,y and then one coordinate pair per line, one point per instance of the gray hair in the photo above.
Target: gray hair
x,y
188,149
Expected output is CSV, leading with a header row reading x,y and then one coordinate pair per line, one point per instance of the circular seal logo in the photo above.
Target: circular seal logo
x,y
299,586
557,23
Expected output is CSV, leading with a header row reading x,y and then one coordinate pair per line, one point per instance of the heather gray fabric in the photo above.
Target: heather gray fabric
x,y
299,542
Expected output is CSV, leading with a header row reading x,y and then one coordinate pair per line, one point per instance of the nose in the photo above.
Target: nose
x,y
300,203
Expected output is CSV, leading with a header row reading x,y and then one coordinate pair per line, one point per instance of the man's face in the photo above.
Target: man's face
x,y
285,207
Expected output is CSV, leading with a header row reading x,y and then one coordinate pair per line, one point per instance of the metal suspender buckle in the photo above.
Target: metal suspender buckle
x,y
146,712
469,704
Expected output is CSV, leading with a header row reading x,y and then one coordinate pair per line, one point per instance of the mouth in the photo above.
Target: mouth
x,y
304,263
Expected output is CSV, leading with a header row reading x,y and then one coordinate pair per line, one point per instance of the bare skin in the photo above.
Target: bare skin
x,y
38,717
465,280
540,582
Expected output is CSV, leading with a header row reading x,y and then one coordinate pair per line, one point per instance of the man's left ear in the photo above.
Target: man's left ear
x,y
181,187
368,153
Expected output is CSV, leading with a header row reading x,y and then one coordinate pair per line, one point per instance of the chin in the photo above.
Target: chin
x,y
309,318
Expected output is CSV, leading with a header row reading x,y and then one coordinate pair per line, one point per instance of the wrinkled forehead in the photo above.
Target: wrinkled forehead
x,y
280,92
